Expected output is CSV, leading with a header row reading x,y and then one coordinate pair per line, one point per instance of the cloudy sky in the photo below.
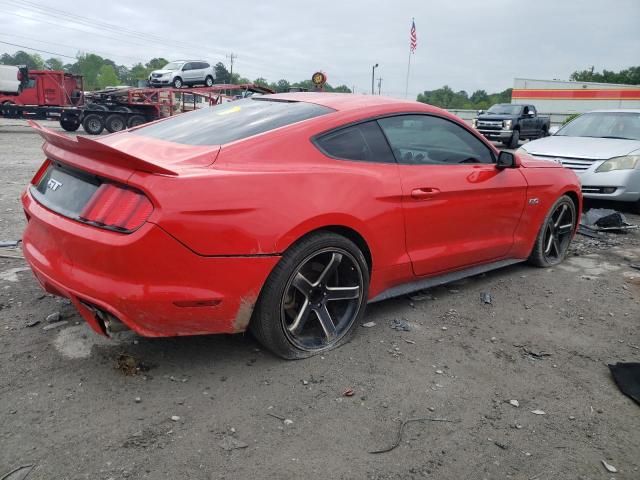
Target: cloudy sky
x,y
466,44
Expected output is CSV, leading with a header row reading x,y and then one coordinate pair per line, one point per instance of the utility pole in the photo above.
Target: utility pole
x,y
379,84
231,58
373,79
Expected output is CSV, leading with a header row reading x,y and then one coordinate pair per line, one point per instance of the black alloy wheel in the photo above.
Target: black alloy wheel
x,y
555,236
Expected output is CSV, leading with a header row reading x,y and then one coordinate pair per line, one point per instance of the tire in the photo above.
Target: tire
x,y
318,265
560,223
544,133
515,138
93,124
70,125
115,123
177,82
136,121
208,81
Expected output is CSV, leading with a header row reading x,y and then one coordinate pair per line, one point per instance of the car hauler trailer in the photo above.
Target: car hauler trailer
x,y
117,108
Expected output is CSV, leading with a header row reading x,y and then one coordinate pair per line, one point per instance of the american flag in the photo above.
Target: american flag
x,y
413,38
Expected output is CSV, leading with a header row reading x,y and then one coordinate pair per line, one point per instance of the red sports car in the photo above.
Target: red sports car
x,y
284,214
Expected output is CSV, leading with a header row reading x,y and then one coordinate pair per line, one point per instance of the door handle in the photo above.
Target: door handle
x,y
424,193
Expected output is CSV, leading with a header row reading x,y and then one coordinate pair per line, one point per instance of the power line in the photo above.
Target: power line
x,y
37,50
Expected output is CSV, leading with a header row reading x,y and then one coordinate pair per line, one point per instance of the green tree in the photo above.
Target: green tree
x,y
137,72
156,64
107,76
629,76
261,81
222,74
31,60
282,85
53,64
88,65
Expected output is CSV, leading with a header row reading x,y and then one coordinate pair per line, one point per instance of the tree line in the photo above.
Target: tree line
x,y
99,72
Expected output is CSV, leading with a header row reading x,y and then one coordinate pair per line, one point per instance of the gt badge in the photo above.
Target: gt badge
x,y
54,184
534,201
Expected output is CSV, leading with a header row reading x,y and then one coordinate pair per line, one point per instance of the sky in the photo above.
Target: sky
x,y
466,44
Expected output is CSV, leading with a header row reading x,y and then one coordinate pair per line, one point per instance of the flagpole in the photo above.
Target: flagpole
x,y
406,88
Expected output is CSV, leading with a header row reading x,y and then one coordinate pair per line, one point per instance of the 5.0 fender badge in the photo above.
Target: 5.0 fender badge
x,y
534,201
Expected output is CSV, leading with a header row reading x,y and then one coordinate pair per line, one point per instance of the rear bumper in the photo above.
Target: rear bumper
x,y
147,280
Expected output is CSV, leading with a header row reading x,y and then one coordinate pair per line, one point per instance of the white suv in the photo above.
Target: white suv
x,y
182,73
13,79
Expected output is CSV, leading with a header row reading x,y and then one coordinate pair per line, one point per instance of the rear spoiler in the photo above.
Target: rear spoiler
x,y
93,148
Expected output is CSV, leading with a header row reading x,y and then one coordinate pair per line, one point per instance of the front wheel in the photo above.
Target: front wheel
x,y
515,138
313,298
177,82
554,237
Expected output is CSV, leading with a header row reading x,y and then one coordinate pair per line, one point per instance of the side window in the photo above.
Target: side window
x,y
362,142
532,109
187,66
204,65
431,140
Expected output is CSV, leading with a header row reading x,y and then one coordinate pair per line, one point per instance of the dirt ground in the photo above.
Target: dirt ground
x,y
78,406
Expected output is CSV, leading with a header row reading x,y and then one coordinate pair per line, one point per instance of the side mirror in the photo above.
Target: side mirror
x,y
532,114
506,160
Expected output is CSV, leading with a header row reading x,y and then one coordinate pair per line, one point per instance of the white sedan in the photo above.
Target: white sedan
x,y
603,148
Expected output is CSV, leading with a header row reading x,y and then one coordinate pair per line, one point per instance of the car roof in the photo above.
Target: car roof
x,y
616,110
347,101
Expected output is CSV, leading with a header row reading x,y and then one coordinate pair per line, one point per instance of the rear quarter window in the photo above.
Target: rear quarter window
x,y
361,142
231,121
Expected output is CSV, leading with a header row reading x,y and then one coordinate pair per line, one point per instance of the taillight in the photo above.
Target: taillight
x,y
117,208
40,173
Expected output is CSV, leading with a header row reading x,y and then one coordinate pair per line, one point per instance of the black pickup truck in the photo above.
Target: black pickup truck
x,y
508,123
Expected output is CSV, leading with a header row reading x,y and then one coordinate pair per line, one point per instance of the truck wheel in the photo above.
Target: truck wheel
x,y
93,124
177,82
136,120
70,125
544,133
115,122
209,81
515,138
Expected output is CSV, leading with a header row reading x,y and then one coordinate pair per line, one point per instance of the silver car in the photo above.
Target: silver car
x,y
183,73
603,148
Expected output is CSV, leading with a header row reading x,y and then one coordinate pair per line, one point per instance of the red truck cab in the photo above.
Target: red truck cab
x,y
49,88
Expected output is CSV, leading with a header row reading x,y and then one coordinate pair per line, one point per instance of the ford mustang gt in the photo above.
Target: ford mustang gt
x,y
284,214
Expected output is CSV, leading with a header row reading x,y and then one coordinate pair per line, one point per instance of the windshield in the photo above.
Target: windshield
x,y
624,125
505,109
173,66
231,121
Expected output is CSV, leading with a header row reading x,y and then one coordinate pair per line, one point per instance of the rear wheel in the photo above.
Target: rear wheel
x,y
136,120
515,138
70,125
555,234
115,122
93,124
314,297
209,81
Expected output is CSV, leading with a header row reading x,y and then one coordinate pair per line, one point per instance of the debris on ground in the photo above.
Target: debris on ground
x,y
400,325
538,412
635,265
486,297
175,418
369,324
609,467
287,421
18,473
9,243
421,295
229,443
403,424
33,323
627,377
51,326
349,392
501,445
53,317
604,219
515,403
533,354
129,365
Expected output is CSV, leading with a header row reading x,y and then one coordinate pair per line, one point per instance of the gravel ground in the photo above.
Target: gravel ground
x,y
78,406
